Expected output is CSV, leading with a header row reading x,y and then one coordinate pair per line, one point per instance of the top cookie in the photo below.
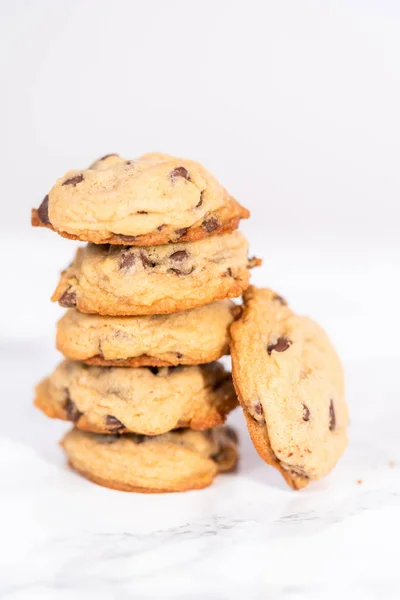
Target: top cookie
x,y
290,383
153,200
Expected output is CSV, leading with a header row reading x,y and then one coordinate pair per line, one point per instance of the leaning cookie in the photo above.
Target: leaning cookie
x,y
290,383
173,462
153,200
121,281
142,400
190,337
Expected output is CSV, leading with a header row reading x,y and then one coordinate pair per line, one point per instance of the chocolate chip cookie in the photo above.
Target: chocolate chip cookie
x,y
190,337
153,200
142,400
290,383
123,281
173,462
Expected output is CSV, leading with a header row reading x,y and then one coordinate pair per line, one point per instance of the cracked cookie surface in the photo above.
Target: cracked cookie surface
x,y
290,384
156,199
173,462
148,401
123,281
195,336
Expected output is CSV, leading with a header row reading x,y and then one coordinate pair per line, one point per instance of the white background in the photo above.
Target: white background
x,y
294,106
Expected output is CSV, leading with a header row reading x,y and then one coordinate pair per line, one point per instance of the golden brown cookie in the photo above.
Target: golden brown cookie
x,y
290,384
142,400
121,281
153,200
173,462
190,337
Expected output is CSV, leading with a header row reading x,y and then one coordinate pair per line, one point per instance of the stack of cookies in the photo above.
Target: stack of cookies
x,y
148,314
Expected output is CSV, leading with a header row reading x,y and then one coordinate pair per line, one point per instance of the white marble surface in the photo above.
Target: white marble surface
x,y
247,536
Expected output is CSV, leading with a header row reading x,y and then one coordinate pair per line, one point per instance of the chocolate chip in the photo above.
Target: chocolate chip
x,y
299,471
142,212
127,260
73,414
146,260
257,407
160,227
179,255
154,370
229,272
218,384
180,272
210,224
279,299
180,172
113,424
237,312
306,413
68,299
43,211
280,345
200,202
176,271
127,238
182,232
106,156
179,355
217,456
73,180
332,417
255,410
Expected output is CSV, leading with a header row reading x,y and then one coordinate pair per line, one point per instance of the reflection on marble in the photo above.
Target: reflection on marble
x,y
247,536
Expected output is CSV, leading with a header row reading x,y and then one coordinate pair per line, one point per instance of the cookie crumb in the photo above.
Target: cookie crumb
x,y
254,262
359,481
